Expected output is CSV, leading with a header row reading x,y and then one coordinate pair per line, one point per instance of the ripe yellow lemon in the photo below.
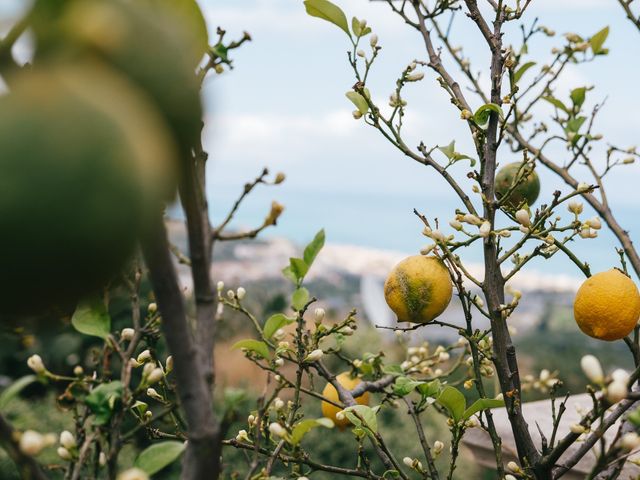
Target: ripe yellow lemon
x,y
528,184
330,411
607,305
418,289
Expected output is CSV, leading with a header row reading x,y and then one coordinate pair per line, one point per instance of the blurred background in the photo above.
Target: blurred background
x,y
283,107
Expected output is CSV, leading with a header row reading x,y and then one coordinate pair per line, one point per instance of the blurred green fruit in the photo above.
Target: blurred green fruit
x,y
190,18
526,181
142,42
83,159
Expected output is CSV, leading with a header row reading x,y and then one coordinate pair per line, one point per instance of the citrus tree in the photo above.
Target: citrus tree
x,y
112,95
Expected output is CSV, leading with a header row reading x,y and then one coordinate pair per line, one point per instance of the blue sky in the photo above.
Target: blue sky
x,y
283,106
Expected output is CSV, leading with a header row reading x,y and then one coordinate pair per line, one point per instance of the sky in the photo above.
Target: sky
x,y
283,107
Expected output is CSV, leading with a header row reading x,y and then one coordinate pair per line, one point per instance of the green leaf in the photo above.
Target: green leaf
x,y
299,268
14,389
358,100
578,95
556,103
305,426
482,404
394,370
367,417
274,323
574,124
355,27
288,274
299,298
255,346
517,75
328,11
221,51
450,150
404,386
102,399
598,40
483,113
454,401
311,251
159,455
430,389
92,318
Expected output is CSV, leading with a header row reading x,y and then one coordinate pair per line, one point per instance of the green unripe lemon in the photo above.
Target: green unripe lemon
x,y
418,289
75,184
527,184
142,42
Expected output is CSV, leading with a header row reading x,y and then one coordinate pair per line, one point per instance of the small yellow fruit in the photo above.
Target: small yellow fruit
x,y
330,411
418,289
607,305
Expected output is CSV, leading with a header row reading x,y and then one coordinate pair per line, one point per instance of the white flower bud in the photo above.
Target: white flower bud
x,y
153,393
168,366
251,419
437,235
408,461
522,216
577,429
427,250
575,206
508,476
155,376
616,391
513,466
582,187
279,334
102,459
592,369
485,229
347,331
78,370
242,436
152,308
231,294
415,77
278,404
620,375
127,334
478,301
240,293
279,362
147,369
373,40
456,225
472,219
361,53
277,430
438,446
144,356
220,286
133,474
443,356
630,441
594,223
36,364
314,356
67,440
319,315
63,453
31,443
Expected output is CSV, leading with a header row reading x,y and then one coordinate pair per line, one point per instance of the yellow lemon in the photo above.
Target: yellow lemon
x,y
607,305
330,411
418,289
